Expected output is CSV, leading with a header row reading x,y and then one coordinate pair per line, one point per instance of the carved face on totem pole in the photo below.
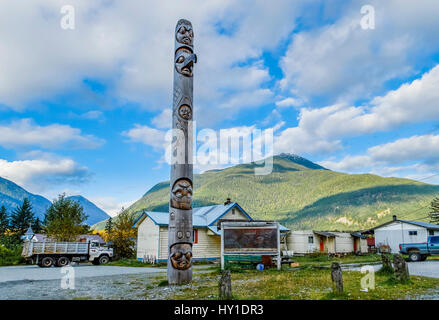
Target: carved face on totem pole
x,y
181,194
185,112
184,61
181,256
184,33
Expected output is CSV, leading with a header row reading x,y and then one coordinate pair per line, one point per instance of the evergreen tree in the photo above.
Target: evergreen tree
x,y
22,217
4,221
109,228
37,227
64,219
434,213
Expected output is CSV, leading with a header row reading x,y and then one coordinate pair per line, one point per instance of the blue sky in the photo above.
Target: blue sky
x,y
85,111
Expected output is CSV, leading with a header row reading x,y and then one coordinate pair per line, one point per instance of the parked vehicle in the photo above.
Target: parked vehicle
x,y
60,254
420,251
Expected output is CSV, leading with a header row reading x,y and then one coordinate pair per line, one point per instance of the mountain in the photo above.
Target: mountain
x,y
94,213
304,195
12,195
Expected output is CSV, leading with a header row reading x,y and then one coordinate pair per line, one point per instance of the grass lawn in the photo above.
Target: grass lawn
x,y
305,284
325,260
137,263
134,263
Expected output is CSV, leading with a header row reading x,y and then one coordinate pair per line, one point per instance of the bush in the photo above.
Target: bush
x,y
9,257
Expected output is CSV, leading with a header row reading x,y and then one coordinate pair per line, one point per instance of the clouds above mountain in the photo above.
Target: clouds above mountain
x,y
43,173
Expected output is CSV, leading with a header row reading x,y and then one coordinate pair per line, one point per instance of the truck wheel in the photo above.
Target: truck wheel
x,y
104,260
62,262
414,256
47,262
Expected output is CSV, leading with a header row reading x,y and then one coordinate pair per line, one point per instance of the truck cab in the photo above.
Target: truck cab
x,y
99,254
420,251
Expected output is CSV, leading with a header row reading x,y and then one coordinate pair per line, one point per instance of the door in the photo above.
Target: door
x,y
434,245
322,246
355,245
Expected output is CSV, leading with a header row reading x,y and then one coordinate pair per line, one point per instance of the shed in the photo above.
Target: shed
x,y
398,231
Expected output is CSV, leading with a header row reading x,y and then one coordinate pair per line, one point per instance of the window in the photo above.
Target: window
x,y
195,235
434,240
413,233
310,239
431,232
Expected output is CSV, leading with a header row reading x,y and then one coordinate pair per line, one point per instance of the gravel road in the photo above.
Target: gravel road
x,y
33,273
90,282
112,282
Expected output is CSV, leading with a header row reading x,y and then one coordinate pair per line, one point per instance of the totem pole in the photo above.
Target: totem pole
x,y
180,234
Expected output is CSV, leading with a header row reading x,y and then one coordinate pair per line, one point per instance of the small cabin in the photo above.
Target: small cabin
x,y
311,241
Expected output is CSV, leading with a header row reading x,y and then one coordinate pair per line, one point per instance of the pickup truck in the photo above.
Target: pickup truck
x,y
59,254
420,251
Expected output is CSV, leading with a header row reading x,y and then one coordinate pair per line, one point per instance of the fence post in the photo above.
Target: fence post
x,y
401,268
225,286
337,278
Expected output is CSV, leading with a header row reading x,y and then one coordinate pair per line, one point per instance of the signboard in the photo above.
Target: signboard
x,y
250,238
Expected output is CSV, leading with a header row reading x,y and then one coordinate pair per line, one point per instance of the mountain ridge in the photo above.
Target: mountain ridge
x,y
12,195
303,195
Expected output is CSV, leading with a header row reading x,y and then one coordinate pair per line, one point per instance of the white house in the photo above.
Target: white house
x,y
310,241
152,232
398,231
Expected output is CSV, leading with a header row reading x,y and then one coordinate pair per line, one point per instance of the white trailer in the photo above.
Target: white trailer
x,y
60,254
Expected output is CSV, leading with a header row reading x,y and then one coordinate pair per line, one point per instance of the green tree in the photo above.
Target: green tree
x,y
37,227
22,217
64,219
123,234
4,221
434,213
109,228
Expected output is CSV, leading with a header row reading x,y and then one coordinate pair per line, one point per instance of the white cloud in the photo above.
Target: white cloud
x,y
41,60
110,205
289,102
146,135
321,130
37,174
163,120
413,157
341,61
89,115
25,133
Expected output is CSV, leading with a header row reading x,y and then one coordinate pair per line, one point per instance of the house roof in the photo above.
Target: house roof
x,y
201,216
426,225
326,234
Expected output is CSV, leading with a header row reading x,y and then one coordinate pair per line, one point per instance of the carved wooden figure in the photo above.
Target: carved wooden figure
x,y
180,232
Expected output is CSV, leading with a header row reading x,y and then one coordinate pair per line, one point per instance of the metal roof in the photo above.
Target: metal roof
x,y
326,234
422,224
201,216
